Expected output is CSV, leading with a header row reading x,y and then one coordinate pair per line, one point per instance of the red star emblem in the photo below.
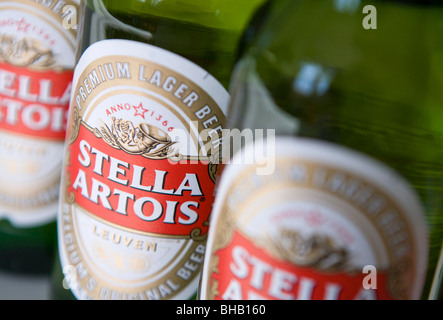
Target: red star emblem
x,y
139,110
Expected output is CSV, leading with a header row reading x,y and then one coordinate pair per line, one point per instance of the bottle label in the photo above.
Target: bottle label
x,y
328,223
36,62
140,164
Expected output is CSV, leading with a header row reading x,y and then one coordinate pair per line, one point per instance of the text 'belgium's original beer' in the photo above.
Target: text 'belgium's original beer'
x,y
336,193
37,55
147,108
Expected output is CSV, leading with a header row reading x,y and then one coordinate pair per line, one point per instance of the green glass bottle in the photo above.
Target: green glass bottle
x,y
352,90
36,66
149,95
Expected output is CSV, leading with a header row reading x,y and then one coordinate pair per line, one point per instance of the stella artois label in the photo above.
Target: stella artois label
x,y
36,62
142,149
328,223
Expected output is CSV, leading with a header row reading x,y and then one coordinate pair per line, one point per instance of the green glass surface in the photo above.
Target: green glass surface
x,y
317,71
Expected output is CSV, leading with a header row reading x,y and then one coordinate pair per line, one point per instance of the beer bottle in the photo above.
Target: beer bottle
x,y
37,57
336,193
141,155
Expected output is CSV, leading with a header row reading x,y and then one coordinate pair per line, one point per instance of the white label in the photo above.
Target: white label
x,y
138,176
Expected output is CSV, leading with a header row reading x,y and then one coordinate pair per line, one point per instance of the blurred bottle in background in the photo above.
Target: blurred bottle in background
x,y
344,201
37,56
149,92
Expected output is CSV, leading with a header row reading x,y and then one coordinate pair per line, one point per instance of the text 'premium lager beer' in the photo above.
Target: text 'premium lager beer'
x,y
142,146
37,55
344,201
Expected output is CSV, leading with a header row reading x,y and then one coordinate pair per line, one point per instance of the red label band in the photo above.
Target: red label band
x,y
34,102
156,196
247,272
